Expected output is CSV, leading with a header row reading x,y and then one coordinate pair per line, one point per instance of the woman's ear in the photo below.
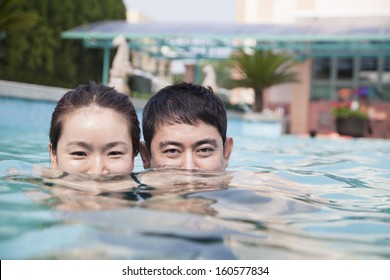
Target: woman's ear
x,y
145,155
53,157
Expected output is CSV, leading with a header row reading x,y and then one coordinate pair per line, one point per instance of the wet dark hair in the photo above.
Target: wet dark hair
x,y
183,103
101,96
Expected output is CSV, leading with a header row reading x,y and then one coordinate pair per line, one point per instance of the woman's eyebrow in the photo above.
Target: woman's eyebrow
x,y
81,144
89,147
113,144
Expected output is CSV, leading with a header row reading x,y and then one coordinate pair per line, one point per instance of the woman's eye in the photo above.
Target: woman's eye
x,y
115,153
79,154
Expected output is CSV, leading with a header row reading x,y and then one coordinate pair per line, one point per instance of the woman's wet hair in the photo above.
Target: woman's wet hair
x,y
94,94
183,103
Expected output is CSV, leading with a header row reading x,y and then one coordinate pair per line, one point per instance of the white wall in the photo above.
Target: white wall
x,y
346,8
284,11
250,11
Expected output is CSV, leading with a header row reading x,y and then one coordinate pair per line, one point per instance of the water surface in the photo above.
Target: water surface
x,y
281,198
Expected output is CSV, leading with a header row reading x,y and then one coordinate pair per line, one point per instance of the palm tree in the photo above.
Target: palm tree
x,y
11,18
261,70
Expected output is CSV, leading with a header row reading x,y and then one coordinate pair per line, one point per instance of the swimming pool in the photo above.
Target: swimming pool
x,y
284,197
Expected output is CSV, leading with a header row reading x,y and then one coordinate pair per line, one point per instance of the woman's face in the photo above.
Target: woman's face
x,y
96,141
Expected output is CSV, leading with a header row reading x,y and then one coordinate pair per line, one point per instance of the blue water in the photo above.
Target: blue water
x,y
286,197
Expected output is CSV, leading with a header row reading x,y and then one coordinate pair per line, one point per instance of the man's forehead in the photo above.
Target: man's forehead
x,y
189,133
196,125
170,122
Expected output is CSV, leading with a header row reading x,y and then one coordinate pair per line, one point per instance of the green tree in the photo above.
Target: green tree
x,y
13,19
261,70
41,56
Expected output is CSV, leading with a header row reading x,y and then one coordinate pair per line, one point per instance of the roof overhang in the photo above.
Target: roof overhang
x,y
311,38
347,37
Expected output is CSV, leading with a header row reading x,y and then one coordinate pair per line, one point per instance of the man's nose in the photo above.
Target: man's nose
x,y
98,167
188,162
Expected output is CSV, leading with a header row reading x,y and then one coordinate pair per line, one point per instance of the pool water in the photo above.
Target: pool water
x,y
286,197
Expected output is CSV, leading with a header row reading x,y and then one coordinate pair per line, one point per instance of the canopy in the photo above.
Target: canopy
x,y
341,37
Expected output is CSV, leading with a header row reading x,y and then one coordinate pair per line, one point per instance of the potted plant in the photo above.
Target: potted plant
x,y
350,121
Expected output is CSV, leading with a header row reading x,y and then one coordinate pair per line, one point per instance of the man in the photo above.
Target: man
x,y
184,126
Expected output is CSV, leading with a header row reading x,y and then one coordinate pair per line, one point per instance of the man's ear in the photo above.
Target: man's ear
x,y
145,155
227,150
53,157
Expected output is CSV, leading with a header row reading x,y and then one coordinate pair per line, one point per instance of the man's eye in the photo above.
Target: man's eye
x,y
205,151
171,151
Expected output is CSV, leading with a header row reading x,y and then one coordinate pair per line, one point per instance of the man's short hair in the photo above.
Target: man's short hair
x,y
183,103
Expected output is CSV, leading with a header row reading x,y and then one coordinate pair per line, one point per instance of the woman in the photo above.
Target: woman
x,y
94,130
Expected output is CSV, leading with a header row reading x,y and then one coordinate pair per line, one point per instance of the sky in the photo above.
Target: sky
x,y
221,11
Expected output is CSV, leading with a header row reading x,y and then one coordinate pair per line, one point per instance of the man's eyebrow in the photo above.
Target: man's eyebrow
x,y
169,143
209,141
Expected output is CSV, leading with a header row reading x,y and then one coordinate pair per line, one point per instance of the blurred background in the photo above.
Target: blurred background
x,y
337,53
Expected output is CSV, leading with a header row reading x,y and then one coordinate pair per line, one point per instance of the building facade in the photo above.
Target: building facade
x,y
332,68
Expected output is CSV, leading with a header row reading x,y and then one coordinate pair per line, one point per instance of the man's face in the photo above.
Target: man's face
x,y
185,146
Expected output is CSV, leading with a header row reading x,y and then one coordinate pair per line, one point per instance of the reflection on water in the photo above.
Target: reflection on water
x,y
173,214
281,198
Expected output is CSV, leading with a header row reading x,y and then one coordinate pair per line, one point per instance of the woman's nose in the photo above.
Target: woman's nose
x,y
98,167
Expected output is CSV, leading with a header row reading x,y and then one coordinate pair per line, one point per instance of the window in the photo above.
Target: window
x,y
386,79
344,69
368,72
368,64
321,67
387,64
